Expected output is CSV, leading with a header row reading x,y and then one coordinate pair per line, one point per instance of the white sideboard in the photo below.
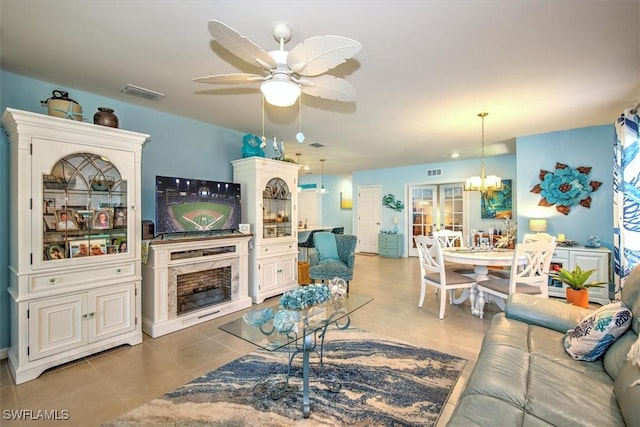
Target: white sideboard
x,y
586,258
193,280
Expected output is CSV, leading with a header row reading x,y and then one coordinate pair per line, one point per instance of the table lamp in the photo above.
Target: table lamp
x,y
538,225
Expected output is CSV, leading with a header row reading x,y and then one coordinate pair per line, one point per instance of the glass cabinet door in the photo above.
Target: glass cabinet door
x,y
84,208
276,209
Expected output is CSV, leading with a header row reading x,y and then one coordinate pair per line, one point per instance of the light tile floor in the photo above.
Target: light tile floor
x,y
100,387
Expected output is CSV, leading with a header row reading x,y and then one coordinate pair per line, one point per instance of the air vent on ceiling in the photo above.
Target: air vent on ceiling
x,y
434,172
141,92
316,144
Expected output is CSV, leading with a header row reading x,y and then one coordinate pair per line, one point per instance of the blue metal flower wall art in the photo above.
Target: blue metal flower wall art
x,y
252,146
389,201
566,187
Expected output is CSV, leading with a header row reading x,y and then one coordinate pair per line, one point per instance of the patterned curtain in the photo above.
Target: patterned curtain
x,y
626,197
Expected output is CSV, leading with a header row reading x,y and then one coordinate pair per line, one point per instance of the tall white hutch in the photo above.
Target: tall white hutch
x,y
74,258
269,204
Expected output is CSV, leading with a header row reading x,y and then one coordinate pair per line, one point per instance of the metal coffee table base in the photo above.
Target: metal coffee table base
x,y
311,342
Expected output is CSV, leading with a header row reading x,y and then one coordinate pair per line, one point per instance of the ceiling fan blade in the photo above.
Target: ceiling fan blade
x,y
317,55
330,87
240,46
230,78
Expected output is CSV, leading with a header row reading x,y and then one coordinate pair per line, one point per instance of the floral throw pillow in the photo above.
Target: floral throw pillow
x,y
590,338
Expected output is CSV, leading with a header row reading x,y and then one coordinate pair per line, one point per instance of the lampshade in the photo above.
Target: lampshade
x,y
483,183
538,225
281,93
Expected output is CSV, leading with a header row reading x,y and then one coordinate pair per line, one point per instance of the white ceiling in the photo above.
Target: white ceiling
x,y
425,70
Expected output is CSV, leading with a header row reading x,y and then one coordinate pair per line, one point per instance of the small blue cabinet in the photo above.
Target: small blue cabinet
x,y
390,245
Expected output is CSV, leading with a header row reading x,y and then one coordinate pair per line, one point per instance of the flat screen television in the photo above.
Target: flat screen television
x,y
185,205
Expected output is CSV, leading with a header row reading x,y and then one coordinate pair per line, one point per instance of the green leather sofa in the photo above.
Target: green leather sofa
x,y
524,377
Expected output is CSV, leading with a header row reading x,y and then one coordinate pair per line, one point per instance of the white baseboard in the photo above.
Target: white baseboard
x,y
4,353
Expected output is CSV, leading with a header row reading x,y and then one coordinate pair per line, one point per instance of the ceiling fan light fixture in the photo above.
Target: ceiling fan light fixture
x,y
280,93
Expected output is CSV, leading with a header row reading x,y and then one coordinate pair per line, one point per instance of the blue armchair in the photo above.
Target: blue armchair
x,y
334,256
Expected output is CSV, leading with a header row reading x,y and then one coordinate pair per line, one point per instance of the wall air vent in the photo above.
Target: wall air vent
x,y
434,172
316,145
141,92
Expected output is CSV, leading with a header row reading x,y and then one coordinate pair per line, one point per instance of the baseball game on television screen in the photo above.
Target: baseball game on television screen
x,y
196,205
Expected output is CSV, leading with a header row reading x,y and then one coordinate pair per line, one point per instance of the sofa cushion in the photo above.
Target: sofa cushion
x,y
476,410
615,358
326,245
590,338
569,397
627,391
549,313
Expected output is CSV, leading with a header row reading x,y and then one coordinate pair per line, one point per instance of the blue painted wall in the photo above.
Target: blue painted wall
x,y
590,146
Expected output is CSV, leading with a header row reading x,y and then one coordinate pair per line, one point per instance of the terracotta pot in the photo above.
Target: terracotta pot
x,y
578,298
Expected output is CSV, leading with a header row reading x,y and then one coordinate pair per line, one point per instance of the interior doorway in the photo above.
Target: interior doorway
x,y
369,214
435,207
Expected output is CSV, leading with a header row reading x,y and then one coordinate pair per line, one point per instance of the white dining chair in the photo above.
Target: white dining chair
x,y
527,238
433,273
530,277
450,239
538,237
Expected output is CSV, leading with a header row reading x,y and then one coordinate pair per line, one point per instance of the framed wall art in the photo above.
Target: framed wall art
x,y
345,202
497,204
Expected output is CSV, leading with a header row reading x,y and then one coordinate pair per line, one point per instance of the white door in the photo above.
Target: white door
x,y
452,212
435,207
369,205
423,202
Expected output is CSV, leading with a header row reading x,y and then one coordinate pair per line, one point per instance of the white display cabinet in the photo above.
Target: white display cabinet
x,y
586,258
74,259
269,204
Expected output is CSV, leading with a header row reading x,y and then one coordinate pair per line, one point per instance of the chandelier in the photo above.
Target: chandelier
x,y
483,183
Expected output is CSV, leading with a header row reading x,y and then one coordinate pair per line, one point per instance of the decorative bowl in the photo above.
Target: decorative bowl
x,y
102,183
258,317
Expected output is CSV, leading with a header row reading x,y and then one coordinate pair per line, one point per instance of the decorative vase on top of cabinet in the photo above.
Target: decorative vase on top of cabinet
x,y
74,258
269,204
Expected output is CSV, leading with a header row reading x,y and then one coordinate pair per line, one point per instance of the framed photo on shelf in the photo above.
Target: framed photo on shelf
x,y
120,217
55,251
82,248
65,220
83,218
101,219
120,245
49,206
49,222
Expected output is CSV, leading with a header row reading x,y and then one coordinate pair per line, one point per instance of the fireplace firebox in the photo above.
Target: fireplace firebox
x,y
203,289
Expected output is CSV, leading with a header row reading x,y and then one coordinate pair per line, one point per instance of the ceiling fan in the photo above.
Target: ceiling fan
x,y
288,73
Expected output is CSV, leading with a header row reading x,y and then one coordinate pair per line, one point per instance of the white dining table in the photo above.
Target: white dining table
x,y
481,259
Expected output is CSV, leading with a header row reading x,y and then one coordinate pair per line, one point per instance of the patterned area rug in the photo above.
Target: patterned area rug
x,y
380,382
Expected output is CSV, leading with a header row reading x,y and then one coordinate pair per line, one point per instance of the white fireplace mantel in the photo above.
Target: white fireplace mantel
x,y
168,258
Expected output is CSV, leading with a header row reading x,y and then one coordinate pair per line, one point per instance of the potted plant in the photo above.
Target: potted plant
x,y
577,287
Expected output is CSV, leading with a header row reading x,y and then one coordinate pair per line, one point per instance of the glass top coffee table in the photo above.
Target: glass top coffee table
x,y
272,328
